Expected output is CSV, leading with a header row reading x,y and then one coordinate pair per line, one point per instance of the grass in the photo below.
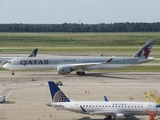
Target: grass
x,y
75,39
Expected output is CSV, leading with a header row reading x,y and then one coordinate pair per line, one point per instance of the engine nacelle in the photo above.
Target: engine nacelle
x,y
119,116
62,70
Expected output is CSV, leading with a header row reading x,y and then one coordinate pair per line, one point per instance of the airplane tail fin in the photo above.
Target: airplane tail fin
x,y
106,99
34,53
144,51
56,94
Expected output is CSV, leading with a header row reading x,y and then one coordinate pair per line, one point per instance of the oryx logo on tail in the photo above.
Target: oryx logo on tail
x,y
145,50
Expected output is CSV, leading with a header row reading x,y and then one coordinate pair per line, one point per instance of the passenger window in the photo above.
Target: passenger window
x,y
83,105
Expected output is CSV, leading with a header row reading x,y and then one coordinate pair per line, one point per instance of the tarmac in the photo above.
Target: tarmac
x,y
27,92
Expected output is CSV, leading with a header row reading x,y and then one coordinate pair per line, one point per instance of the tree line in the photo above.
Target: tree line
x,y
74,27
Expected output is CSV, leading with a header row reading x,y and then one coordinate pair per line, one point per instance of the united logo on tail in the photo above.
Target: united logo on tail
x,y
56,94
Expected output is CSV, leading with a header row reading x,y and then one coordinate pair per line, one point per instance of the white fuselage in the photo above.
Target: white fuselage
x,y
110,108
42,63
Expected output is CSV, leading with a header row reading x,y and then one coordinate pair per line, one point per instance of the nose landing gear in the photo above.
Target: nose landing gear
x,y
12,72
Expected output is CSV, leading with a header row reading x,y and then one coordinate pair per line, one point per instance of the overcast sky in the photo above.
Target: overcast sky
x,y
73,11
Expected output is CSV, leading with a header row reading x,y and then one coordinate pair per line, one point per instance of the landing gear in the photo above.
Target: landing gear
x,y
12,72
108,118
80,73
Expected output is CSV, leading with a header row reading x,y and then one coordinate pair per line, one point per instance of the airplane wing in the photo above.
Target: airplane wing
x,y
90,64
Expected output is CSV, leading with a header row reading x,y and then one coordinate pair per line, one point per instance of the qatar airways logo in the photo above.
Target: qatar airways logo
x,y
34,62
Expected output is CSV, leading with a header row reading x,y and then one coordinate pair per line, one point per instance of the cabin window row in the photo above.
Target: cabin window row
x,y
112,106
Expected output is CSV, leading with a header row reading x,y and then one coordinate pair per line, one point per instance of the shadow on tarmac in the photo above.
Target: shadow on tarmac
x,y
9,102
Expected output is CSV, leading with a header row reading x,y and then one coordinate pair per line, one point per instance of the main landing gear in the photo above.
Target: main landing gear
x,y
108,118
12,72
80,73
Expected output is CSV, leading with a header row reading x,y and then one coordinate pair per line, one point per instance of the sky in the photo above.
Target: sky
x,y
79,11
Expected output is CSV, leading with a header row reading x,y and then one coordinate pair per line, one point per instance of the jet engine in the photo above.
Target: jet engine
x,y
62,70
119,116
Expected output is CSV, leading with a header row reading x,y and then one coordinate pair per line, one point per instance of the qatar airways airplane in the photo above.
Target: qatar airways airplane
x,y
67,64
116,110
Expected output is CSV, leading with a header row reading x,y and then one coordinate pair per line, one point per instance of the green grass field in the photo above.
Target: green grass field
x,y
75,42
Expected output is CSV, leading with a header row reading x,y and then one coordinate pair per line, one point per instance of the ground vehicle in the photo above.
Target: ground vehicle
x,y
59,83
2,99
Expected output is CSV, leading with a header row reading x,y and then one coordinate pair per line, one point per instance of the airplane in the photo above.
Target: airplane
x,y
117,110
67,64
4,60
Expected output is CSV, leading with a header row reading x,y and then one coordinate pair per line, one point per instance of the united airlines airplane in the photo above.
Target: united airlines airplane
x,y
117,110
67,64
4,60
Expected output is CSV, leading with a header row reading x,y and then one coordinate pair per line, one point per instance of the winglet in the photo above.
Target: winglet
x,y
107,61
100,55
105,99
34,53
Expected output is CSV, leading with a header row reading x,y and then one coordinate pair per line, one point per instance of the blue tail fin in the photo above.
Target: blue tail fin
x,y
144,51
105,99
34,53
56,94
